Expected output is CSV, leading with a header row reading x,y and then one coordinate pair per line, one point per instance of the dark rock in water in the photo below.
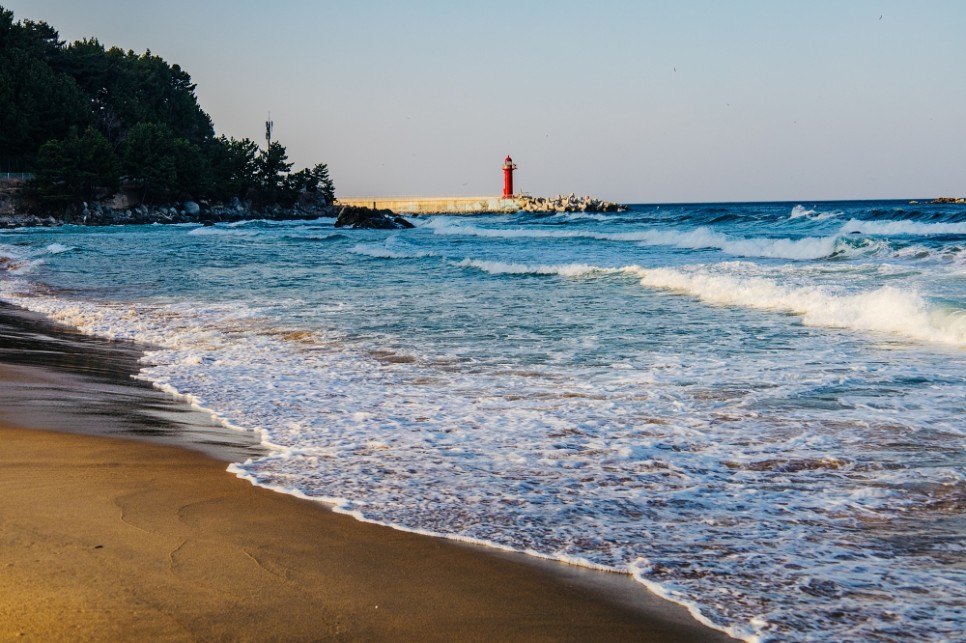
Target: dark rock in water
x,y
355,217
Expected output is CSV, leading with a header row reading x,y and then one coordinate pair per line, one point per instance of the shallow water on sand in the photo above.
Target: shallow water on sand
x,y
58,378
754,408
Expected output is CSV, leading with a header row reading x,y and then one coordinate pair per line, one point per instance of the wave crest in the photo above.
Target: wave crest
x,y
808,248
884,310
504,268
903,228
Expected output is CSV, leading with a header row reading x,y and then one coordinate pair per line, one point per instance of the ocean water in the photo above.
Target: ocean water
x,y
755,409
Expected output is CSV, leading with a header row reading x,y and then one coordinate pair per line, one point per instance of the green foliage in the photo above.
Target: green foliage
x,y
161,164
191,170
81,167
127,89
315,180
321,182
231,167
80,115
46,88
148,159
271,171
37,101
271,166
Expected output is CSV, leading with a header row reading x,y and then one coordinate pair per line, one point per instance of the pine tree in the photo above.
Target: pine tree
x,y
322,183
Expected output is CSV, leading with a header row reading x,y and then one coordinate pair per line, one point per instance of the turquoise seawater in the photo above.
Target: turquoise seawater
x,y
756,409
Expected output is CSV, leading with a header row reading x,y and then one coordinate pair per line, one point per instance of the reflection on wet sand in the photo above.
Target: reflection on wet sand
x,y
53,376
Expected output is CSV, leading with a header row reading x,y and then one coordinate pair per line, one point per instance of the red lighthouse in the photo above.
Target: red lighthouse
x,y
508,167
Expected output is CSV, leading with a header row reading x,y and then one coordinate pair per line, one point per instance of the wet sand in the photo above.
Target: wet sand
x,y
118,521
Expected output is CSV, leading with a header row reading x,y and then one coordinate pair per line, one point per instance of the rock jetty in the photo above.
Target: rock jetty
x,y
950,199
351,216
572,203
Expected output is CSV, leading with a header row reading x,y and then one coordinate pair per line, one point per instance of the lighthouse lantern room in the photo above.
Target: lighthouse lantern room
x,y
508,167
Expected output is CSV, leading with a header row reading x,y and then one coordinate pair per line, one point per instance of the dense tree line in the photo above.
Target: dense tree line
x,y
84,119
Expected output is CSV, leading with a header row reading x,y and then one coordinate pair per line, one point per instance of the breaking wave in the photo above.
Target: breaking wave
x,y
808,248
503,268
883,310
903,228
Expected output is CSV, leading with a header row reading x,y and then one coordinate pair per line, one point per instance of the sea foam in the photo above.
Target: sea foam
x,y
669,409
883,310
903,228
504,268
703,237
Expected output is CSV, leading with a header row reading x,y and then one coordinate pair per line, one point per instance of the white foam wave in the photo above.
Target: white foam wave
x,y
587,216
474,463
883,310
318,237
800,249
215,231
15,262
673,455
57,248
447,227
800,211
250,222
902,228
388,251
761,247
9,253
505,268
808,248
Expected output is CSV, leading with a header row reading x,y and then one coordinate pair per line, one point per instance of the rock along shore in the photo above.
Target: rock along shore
x,y
192,212
103,214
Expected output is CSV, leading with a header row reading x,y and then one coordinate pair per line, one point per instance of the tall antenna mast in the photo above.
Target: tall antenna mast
x,y
268,132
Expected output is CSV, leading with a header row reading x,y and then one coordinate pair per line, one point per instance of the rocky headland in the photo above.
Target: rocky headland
x,y
100,214
17,210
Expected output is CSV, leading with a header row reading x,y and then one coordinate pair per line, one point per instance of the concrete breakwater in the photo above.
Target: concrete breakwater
x,y
435,205
483,204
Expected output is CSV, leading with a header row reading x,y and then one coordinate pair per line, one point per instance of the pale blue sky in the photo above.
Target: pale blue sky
x,y
646,101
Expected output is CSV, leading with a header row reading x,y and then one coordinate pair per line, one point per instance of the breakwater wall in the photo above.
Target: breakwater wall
x,y
436,205
482,204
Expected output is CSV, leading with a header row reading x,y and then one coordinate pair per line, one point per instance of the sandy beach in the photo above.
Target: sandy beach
x,y
118,521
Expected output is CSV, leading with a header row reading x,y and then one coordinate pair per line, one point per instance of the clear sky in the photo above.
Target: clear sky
x,y
635,101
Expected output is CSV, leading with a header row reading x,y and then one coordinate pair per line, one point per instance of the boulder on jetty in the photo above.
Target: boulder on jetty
x,y
351,216
572,203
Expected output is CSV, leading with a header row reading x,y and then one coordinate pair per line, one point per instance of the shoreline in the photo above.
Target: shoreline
x,y
109,532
